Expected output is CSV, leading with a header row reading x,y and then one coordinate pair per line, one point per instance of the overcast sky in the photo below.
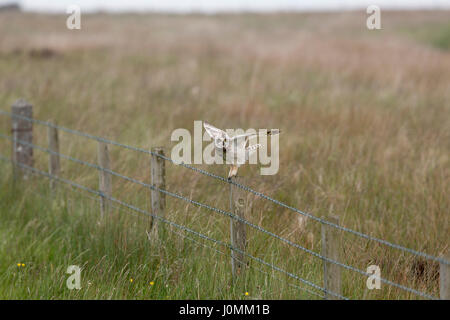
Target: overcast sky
x,y
224,5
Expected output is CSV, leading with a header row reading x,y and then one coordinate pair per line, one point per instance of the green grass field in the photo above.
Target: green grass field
x,y
366,137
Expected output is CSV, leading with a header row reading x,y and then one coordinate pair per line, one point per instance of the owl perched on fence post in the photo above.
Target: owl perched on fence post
x,y
234,150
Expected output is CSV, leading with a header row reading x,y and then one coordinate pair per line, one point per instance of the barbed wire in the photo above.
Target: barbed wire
x,y
241,186
223,212
243,262
181,227
197,243
200,244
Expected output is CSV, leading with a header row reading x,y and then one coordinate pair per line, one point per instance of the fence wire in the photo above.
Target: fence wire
x,y
211,208
173,224
223,212
241,186
194,241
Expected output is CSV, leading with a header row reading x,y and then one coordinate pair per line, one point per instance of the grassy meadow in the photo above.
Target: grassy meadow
x,y
365,117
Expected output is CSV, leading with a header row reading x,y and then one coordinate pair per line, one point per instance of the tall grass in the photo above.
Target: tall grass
x,y
366,136
47,232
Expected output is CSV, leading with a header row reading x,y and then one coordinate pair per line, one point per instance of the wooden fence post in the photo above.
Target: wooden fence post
x,y
53,159
105,181
444,279
158,199
331,250
237,229
22,130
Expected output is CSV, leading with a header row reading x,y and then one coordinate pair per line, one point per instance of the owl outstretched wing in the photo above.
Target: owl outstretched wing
x,y
241,141
270,132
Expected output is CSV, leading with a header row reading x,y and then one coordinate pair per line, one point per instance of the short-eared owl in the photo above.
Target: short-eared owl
x,y
234,150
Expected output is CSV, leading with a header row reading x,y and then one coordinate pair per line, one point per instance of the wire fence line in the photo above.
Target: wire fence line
x,y
241,186
196,242
210,208
200,244
223,212
258,269
173,224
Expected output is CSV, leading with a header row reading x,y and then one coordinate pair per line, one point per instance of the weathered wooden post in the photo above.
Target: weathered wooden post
x,y
237,229
331,250
444,279
53,158
158,199
22,129
105,179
